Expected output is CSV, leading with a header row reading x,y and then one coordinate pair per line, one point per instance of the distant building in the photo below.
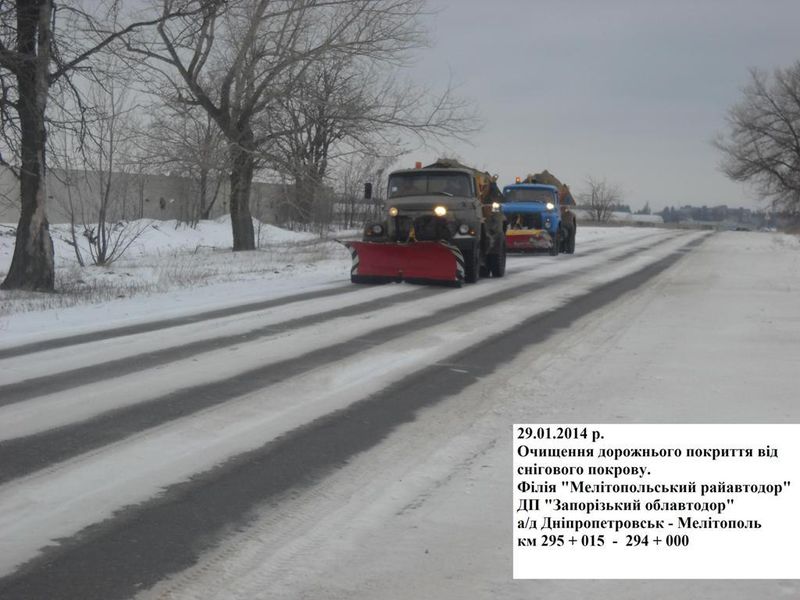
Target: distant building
x,y
133,196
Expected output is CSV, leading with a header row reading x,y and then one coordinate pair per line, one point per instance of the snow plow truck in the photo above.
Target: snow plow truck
x,y
443,225
540,214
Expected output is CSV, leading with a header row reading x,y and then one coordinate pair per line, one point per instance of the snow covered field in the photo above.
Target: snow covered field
x,y
157,456
173,257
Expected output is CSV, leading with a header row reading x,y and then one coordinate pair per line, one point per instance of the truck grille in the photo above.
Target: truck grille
x,y
431,228
525,221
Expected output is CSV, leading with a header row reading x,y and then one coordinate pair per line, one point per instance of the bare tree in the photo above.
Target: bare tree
x,y
41,44
353,209
111,132
600,198
762,145
25,57
308,118
242,56
346,107
184,140
98,173
63,152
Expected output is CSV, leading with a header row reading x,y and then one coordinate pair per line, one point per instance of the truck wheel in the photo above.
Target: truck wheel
x,y
556,244
497,261
472,261
571,240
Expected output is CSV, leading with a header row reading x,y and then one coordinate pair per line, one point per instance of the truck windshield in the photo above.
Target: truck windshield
x,y
528,195
421,183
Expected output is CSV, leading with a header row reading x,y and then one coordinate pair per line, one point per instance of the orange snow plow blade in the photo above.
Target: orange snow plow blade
x,y
415,262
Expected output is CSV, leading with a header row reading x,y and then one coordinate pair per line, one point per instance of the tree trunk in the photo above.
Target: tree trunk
x,y
242,168
202,212
32,266
307,188
207,211
303,199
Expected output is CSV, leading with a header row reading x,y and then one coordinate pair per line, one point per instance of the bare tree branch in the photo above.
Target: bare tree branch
x,y
600,198
41,44
762,145
244,58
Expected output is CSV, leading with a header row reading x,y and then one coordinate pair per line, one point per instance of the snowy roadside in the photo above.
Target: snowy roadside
x,y
173,270
170,270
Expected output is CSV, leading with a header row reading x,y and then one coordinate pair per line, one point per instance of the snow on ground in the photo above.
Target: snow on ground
x,y
428,513
170,270
53,410
174,270
77,492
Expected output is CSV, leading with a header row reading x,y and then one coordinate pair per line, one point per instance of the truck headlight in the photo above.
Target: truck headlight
x,y
463,229
377,229
393,211
550,206
440,211
495,207
547,223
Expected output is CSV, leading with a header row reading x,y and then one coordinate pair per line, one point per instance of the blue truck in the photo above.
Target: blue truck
x,y
540,215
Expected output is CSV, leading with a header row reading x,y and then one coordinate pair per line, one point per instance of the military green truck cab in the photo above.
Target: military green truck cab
x,y
445,203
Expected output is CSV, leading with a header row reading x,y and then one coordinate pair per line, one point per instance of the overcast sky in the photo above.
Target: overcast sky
x,y
629,90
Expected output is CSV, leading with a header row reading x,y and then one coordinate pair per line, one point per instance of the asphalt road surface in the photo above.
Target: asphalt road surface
x,y
355,443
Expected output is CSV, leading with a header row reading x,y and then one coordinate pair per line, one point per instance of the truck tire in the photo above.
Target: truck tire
x,y
556,243
472,264
570,245
497,261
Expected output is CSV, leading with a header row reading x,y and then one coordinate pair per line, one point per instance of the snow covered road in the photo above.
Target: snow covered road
x,y
272,450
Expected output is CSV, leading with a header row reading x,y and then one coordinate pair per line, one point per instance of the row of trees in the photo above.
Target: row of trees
x,y
230,86
720,214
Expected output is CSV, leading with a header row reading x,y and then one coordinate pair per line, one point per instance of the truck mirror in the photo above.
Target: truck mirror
x,y
367,191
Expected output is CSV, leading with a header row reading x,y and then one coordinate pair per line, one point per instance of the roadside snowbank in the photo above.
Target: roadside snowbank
x,y
171,260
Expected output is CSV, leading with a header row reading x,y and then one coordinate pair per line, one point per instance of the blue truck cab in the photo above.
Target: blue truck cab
x,y
533,213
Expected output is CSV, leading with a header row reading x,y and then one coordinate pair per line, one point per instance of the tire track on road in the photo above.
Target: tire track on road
x,y
149,326
26,389
145,543
24,455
